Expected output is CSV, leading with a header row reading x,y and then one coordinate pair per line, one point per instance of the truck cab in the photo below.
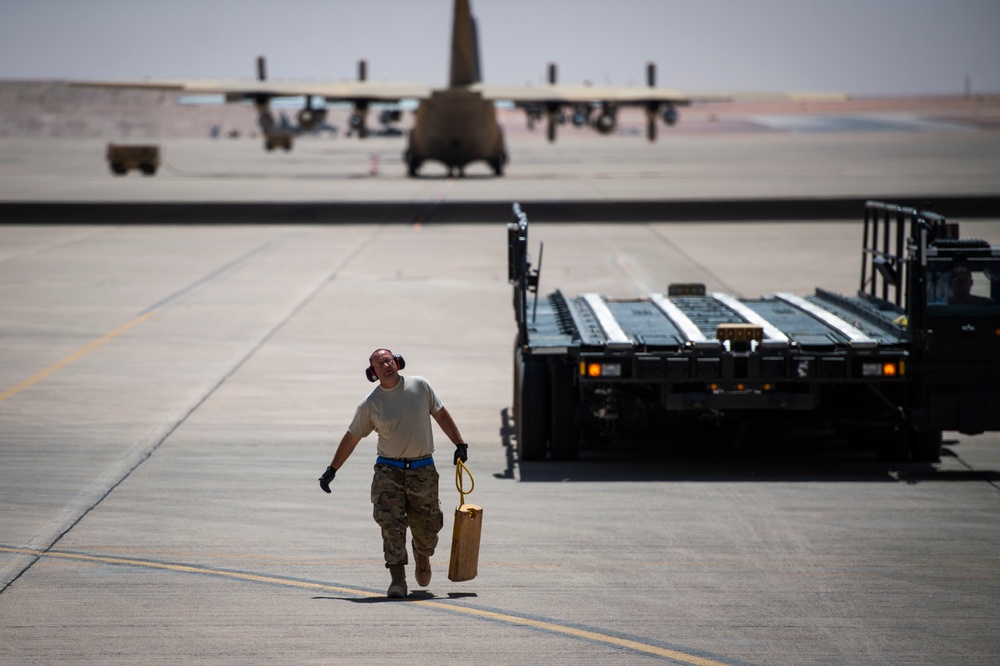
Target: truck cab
x,y
958,362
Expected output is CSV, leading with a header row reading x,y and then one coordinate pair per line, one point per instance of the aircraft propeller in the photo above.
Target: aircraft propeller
x,y
263,103
552,110
652,108
358,119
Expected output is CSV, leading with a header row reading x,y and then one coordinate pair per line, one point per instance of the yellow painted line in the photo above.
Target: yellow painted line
x,y
551,627
75,356
183,568
676,655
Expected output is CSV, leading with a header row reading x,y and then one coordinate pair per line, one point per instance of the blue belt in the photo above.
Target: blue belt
x,y
405,464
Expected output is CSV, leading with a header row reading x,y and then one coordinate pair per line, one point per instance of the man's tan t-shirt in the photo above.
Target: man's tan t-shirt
x,y
401,416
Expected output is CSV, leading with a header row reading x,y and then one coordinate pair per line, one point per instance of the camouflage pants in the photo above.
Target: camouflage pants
x,y
407,498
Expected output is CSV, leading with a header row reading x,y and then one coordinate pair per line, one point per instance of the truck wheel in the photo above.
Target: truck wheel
x,y
925,445
531,410
119,169
148,169
564,439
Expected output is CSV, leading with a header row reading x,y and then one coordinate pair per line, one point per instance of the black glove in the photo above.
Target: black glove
x,y
461,453
324,481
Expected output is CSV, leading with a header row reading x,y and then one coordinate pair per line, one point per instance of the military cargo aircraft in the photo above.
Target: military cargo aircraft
x,y
456,125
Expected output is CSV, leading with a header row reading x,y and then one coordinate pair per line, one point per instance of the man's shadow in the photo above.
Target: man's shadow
x,y
420,595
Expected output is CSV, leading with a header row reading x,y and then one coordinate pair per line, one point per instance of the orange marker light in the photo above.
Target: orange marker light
x,y
889,369
594,370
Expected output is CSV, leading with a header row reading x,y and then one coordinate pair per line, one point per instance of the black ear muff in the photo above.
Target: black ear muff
x,y
370,371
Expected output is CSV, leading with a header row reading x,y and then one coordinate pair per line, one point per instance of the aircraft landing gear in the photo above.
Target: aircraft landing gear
x,y
272,141
497,164
412,164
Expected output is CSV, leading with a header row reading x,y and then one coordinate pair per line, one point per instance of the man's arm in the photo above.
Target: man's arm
x,y
344,449
448,426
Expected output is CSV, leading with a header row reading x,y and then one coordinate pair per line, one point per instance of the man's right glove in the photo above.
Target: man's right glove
x,y
324,481
461,453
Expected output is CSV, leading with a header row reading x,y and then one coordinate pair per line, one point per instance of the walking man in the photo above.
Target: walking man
x,y
405,484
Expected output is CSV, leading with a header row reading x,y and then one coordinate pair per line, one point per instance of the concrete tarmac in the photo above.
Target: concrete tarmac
x,y
169,395
324,179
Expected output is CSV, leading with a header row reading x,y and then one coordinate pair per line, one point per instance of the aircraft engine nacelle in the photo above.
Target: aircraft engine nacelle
x,y
358,123
555,117
389,116
581,115
310,119
670,114
265,119
605,123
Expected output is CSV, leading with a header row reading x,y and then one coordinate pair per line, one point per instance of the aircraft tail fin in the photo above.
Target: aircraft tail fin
x,y
464,47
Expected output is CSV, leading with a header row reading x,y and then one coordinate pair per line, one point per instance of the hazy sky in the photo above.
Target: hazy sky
x,y
855,46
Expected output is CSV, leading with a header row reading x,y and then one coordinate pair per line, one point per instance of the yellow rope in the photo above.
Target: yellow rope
x,y
459,468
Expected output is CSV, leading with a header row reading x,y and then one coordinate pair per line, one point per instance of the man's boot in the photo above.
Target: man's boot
x,y
397,589
423,569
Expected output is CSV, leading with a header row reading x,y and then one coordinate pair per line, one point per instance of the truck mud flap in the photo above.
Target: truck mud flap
x,y
564,436
532,410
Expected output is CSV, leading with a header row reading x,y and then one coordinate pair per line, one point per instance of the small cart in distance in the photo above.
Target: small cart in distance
x,y
124,158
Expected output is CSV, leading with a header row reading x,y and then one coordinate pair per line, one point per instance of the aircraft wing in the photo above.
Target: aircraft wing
x,y
563,94
550,100
347,91
635,95
235,90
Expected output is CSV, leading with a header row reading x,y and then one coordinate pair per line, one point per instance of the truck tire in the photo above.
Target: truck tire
x,y
531,410
118,169
925,445
148,169
564,436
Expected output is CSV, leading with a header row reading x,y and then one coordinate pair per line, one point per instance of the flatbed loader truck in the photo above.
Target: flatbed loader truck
x,y
914,352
